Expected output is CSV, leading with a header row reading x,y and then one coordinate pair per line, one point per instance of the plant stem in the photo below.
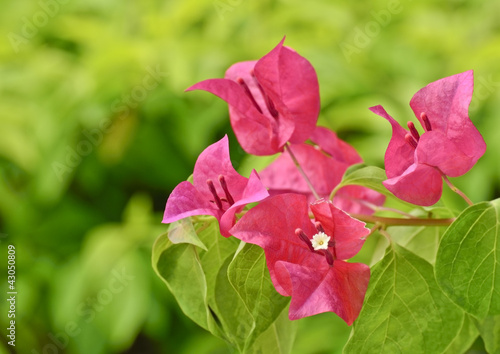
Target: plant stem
x,y
402,222
456,190
301,171
334,191
376,227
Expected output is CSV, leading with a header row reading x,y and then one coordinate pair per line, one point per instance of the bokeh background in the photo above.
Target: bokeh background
x,y
96,130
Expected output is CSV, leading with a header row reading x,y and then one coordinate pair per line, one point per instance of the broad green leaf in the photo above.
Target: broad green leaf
x,y
183,231
321,333
421,240
180,268
236,321
404,309
277,338
465,338
191,273
249,276
219,249
489,329
468,260
366,176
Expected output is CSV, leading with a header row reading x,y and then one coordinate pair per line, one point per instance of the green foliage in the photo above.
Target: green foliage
x,y
421,240
489,328
404,309
249,276
367,176
224,288
467,264
181,270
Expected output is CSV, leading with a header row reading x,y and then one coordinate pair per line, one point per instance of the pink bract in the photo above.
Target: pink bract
x,y
198,199
449,146
324,164
315,284
271,101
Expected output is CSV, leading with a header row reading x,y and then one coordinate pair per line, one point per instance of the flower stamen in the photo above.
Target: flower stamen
x,y
319,243
329,257
248,93
223,184
319,227
427,122
269,103
217,199
411,140
303,237
413,131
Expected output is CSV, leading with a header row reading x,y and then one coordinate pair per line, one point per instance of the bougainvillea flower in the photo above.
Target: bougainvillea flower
x,y
316,277
271,101
324,163
449,146
217,189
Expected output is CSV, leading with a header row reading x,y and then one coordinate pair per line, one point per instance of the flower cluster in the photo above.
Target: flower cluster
x,y
307,234
449,146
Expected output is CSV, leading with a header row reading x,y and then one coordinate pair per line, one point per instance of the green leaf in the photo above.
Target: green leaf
x,y
183,231
489,329
219,249
277,338
236,321
404,309
421,240
246,303
195,271
179,267
366,176
190,272
465,338
314,329
249,276
468,260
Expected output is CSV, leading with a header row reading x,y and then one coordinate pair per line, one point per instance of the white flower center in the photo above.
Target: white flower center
x,y
320,241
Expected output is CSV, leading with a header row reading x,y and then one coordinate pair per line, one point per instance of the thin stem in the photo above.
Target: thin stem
x,y
376,227
402,222
386,235
301,171
456,190
334,191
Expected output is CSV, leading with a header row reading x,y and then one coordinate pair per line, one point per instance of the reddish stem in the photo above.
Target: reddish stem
x,y
301,171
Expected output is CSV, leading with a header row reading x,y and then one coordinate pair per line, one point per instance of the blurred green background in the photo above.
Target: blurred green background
x,y
96,131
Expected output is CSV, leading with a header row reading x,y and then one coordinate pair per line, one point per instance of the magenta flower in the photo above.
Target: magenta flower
x,y
271,101
217,189
306,259
324,164
449,146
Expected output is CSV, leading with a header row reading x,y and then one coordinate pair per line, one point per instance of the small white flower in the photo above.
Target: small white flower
x,y
320,241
